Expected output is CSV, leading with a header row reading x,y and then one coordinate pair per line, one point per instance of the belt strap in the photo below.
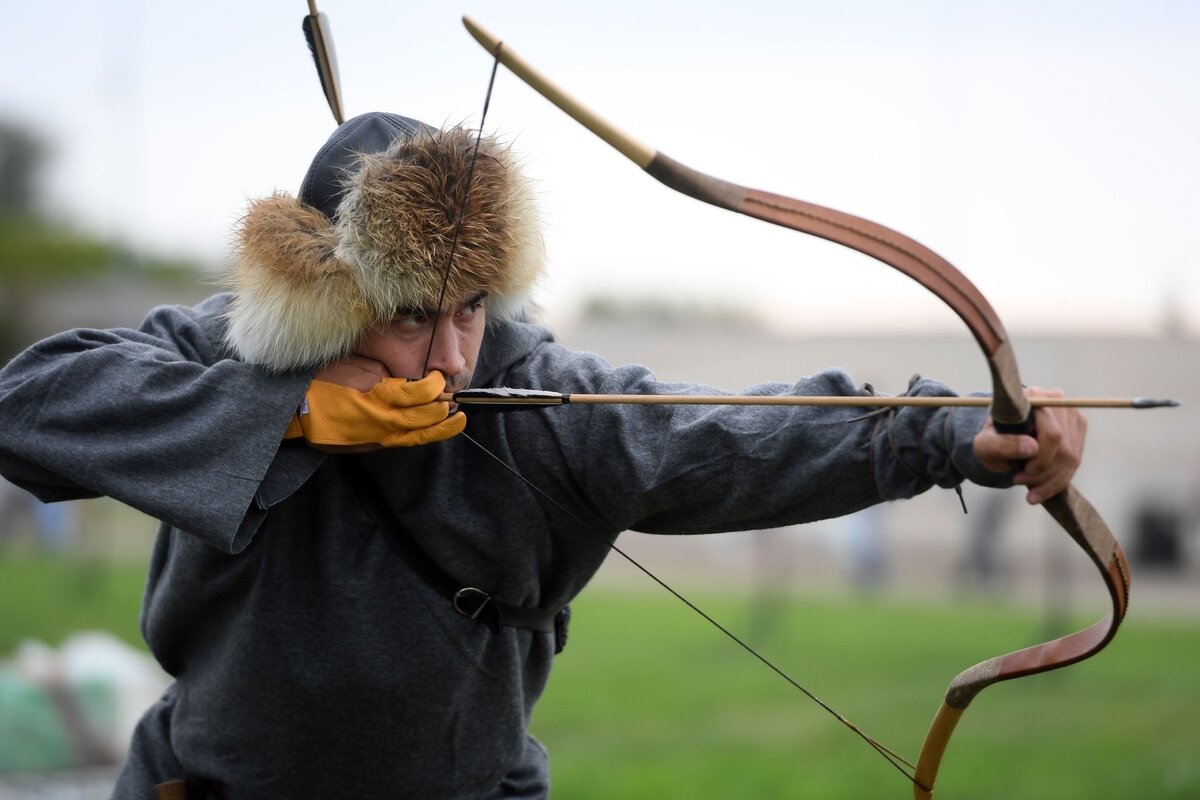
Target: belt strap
x,y
470,601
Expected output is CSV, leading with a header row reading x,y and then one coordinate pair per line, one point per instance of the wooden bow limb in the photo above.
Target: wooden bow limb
x,y
1010,409
539,398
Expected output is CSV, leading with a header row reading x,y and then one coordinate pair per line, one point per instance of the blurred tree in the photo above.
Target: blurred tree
x,y
21,156
39,254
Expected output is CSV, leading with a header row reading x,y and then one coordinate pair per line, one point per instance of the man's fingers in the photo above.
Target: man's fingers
x,y
395,412
446,429
1045,465
414,402
405,393
419,416
999,452
1061,434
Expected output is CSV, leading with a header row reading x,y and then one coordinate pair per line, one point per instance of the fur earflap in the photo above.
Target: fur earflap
x,y
295,304
306,287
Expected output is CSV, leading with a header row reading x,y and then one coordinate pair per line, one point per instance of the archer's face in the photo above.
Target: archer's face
x,y
456,331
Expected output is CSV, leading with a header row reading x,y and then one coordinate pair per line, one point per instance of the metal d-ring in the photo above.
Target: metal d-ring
x,y
468,592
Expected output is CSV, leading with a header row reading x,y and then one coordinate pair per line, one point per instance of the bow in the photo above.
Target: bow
x,y
1010,409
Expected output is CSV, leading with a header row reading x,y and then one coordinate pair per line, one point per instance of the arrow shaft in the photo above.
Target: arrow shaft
x,y
500,397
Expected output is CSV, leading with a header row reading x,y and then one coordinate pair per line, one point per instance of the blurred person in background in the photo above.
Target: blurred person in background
x,y
354,598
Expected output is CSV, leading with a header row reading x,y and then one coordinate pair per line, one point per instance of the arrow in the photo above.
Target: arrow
x,y
320,42
541,399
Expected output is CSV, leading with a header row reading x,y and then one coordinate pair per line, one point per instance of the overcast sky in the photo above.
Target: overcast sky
x,y
1048,149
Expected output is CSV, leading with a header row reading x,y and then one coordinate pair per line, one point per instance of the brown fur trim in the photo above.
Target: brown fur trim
x,y
397,222
305,289
295,304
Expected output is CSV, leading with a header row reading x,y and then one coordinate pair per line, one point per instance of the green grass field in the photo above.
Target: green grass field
x,y
648,701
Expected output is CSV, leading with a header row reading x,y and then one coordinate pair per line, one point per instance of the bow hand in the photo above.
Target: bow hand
x,y
1043,460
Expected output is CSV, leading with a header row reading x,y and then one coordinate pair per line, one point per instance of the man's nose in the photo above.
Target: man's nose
x,y
445,353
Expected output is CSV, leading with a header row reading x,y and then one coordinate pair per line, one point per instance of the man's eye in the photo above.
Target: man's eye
x,y
412,319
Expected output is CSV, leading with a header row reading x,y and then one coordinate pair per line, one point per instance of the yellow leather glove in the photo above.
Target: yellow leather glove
x,y
396,412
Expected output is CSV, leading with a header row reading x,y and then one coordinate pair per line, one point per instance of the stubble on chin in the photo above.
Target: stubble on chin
x,y
458,383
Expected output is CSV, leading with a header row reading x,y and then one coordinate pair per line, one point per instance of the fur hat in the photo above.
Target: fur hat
x,y
371,233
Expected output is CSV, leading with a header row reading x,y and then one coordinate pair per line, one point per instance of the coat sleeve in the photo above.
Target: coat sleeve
x,y
704,469
159,418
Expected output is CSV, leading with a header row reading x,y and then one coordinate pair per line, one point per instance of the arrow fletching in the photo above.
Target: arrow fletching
x,y
1153,402
320,44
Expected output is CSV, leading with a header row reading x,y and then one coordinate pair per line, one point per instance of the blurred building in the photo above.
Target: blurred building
x,y
1139,465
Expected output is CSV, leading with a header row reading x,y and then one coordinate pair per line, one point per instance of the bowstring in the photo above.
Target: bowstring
x,y
892,757
462,216
898,761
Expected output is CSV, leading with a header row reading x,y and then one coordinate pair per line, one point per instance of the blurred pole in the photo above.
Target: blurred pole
x,y
122,98
1057,592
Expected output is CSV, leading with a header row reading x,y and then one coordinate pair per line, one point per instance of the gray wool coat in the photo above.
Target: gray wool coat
x,y
308,659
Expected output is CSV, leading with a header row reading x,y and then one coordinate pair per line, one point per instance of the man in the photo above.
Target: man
x,y
354,599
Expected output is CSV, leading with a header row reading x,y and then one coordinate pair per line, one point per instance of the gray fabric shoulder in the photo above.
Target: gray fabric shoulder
x,y
199,329
506,344
159,418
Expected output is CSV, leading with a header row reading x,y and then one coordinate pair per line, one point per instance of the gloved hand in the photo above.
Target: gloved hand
x,y
395,412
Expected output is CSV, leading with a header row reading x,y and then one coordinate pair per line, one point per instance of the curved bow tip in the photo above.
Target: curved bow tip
x,y
481,34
